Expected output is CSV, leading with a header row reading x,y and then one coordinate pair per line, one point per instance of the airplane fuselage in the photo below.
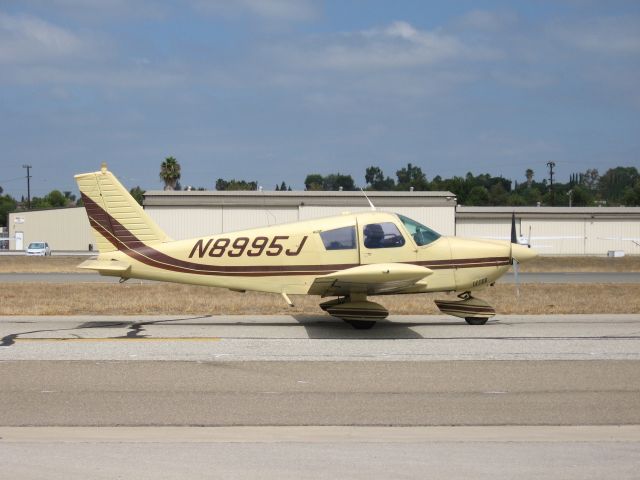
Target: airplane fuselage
x,y
289,257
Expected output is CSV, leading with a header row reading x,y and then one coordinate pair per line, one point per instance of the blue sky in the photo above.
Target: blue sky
x,y
272,90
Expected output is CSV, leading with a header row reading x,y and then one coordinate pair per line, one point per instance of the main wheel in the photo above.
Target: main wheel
x,y
476,320
361,324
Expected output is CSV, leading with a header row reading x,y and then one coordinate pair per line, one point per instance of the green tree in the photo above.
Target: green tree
x,y
314,181
411,176
69,197
7,205
170,173
581,196
529,175
590,178
498,195
478,195
337,181
234,185
614,183
138,194
56,199
374,176
631,197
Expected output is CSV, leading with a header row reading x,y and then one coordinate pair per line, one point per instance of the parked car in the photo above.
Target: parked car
x,y
38,248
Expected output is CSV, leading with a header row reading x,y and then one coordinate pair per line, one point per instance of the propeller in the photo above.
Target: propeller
x,y
514,262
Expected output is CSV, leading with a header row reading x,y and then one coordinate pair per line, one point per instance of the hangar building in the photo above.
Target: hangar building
x,y
553,230
192,214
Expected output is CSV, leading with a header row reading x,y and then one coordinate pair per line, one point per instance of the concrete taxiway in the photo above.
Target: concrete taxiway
x,y
286,370
580,453
313,338
526,396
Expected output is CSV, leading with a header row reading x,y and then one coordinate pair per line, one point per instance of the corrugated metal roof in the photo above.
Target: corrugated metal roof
x,y
263,198
549,212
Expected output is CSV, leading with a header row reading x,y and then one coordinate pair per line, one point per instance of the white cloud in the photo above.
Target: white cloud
x,y
25,39
292,10
396,46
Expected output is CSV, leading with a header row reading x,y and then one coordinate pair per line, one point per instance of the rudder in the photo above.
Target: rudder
x,y
118,222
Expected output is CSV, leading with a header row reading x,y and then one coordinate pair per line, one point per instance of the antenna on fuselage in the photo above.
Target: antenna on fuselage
x,y
373,207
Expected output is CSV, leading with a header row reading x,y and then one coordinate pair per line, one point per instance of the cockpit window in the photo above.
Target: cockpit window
x,y
339,239
382,235
421,234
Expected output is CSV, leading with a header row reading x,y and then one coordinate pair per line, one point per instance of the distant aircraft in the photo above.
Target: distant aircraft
x,y
531,241
350,257
635,241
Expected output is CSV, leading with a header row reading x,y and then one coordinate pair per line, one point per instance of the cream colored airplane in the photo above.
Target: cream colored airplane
x,y
350,257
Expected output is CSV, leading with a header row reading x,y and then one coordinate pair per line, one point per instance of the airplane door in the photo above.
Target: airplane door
x,y
384,242
19,240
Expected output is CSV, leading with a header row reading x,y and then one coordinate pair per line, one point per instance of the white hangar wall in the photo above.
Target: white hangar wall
x,y
557,230
554,231
62,228
192,214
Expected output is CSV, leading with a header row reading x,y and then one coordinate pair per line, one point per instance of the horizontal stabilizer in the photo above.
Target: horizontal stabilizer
x,y
106,267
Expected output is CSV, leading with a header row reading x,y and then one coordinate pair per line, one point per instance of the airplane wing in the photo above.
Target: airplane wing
x,y
370,279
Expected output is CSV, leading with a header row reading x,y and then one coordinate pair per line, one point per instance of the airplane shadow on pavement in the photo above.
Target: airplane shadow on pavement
x,y
319,327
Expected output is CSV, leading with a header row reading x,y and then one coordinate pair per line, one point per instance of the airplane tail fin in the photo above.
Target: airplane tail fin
x,y
117,220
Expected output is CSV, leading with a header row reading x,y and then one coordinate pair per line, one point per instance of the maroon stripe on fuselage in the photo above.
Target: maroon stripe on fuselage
x,y
125,241
129,244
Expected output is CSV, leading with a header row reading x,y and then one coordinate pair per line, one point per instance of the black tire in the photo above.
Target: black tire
x,y
361,324
476,320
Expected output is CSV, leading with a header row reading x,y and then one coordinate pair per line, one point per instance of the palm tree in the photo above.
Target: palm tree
x,y
170,173
529,175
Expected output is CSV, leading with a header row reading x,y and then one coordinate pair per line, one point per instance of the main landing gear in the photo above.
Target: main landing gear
x,y
475,311
356,310
362,314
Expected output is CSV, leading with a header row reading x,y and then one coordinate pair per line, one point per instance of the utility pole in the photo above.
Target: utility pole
x,y
28,167
551,165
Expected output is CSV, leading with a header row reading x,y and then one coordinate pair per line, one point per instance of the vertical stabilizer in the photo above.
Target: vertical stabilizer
x,y
117,220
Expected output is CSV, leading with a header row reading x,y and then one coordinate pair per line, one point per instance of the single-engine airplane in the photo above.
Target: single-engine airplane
x,y
350,257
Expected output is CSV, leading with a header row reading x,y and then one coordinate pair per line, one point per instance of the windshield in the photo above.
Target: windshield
x,y
421,234
36,245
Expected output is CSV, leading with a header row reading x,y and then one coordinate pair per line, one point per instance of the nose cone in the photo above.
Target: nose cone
x,y
522,253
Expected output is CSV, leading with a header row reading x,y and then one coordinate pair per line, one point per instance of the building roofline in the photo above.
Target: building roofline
x,y
547,212
160,198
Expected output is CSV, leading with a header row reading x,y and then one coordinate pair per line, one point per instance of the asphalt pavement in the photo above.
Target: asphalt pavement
x,y
218,396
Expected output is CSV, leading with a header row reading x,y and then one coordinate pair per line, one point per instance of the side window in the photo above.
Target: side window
x,y
339,239
382,235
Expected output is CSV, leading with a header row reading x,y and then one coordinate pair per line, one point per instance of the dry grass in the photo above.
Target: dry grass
x,y
132,299
23,264
53,264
